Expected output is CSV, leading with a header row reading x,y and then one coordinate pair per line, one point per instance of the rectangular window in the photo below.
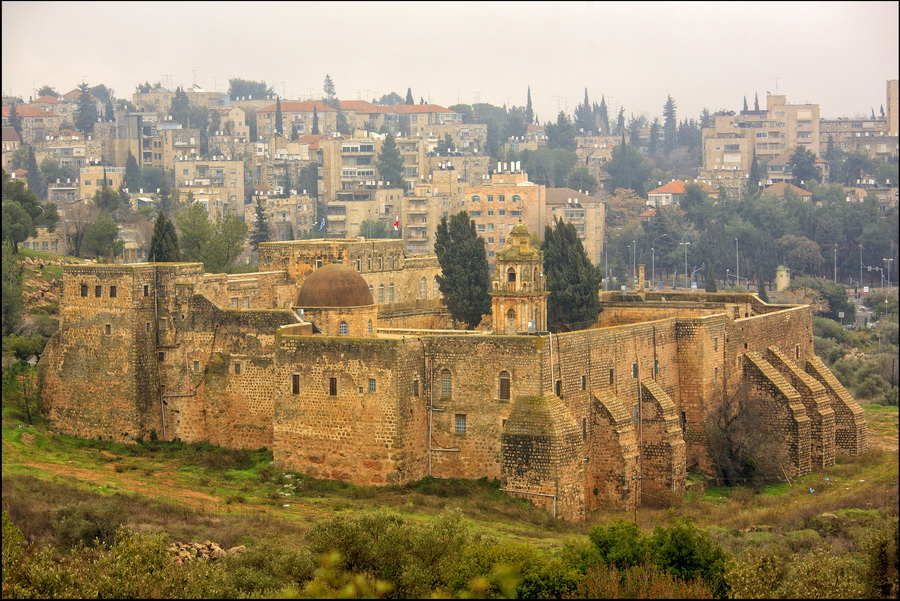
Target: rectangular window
x,y
112,292
108,329
237,368
162,324
683,420
559,388
415,388
502,198
196,366
98,291
634,370
332,386
295,383
460,423
611,377
715,344
246,302
162,356
371,384
490,198
146,290
716,374
84,290
584,382
147,327
656,366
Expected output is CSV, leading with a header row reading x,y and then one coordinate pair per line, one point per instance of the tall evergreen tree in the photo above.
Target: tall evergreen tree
x,y
261,231
756,101
529,112
602,117
670,126
279,118
132,174
465,280
390,163
409,97
15,120
164,243
745,105
653,144
584,117
315,125
572,280
620,122
86,112
181,107
753,176
110,111
340,121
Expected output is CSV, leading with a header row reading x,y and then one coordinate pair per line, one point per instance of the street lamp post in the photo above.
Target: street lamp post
x,y
737,262
633,261
889,262
653,258
685,245
835,264
860,270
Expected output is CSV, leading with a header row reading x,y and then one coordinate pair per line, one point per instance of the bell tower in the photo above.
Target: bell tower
x,y
518,298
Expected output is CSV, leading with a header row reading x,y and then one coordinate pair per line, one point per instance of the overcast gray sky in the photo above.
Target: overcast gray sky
x,y
704,54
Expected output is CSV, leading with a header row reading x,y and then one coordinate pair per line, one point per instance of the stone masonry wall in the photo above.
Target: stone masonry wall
x,y
784,411
612,448
850,421
662,464
817,404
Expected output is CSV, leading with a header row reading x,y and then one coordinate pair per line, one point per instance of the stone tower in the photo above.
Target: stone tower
x,y
518,299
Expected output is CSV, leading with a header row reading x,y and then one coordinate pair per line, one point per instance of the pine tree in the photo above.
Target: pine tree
x,y
745,105
390,163
670,126
110,111
603,117
711,279
573,281
529,112
86,113
279,119
261,232
329,88
756,101
584,117
164,243
465,280
409,97
315,125
753,177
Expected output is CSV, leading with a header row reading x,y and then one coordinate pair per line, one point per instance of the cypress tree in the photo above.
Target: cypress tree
x,y
390,163
279,119
15,120
86,113
465,279
529,112
315,127
164,244
409,97
132,174
261,231
573,281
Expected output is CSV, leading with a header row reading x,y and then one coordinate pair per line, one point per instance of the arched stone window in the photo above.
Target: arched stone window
x,y
343,329
380,293
423,289
391,297
511,321
370,326
504,385
446,384
372,290
476,198
511,275
436,289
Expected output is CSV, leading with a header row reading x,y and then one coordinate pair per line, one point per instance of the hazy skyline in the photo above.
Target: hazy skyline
x,y
705,55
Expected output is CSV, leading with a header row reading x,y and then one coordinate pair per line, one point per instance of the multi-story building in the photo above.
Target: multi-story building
x,y
297,118
217,184
94,177
586,213
290,216
351,209
731,143
347,163
10,143
867,136
156,100
70,149
423,208
419,119
502,201
36,123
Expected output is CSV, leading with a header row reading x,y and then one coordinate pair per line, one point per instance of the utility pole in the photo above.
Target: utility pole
x,y
737,262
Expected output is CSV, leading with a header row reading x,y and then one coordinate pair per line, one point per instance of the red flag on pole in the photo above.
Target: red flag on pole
x,y
397,223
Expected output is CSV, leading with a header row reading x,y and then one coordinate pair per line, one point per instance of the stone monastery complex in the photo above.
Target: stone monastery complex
x,y
340,357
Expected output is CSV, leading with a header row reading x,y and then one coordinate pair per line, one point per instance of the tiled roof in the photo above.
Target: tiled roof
x,y
673,187
20,172
363,106
29,111
9,134
48,99
66,132
419,108
780,188
560,196
303,106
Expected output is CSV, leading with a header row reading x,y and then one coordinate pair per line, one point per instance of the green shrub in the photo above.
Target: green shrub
x,y
638,582
881,573
620,544
689,554
87,523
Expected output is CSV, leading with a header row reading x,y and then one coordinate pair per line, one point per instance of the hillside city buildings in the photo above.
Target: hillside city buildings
x,y
241,159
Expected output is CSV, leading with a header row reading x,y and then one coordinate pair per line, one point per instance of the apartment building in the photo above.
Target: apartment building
x,y
10,142
503,200
93,177
730,144
297,118
429,201
347,163
291,216
586,213
70,149
418,119
347,214
217,184
867,136
36,123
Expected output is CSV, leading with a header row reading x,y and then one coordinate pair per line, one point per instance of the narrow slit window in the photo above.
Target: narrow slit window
x,y
112,292
446,384
332,386
295,383
98,291
504,385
